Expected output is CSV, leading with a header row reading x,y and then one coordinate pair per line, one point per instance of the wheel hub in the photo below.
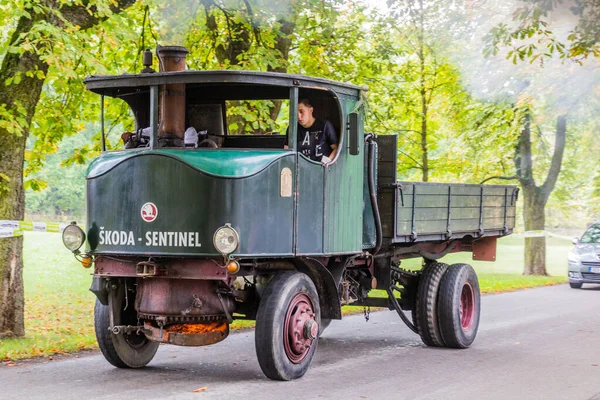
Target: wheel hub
x,y
467,306
300,328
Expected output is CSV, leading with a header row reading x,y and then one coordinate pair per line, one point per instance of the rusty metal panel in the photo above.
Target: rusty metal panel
x,y
484,249
177,268
187,298
188,334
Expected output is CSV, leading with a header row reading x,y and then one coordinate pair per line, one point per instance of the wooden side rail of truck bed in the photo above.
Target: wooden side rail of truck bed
x,y
432,212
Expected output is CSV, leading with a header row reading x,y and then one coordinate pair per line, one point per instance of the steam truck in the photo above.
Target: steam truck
x,y
186,236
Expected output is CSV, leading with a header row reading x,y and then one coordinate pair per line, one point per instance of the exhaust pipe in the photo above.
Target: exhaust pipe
x,y
172,98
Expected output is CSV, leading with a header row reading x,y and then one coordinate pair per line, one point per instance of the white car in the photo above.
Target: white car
x,y
584,258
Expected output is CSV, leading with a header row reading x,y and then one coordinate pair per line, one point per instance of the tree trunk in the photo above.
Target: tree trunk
x,y
283,42
423,93
12,201
425,157
20,100
534,215
535,197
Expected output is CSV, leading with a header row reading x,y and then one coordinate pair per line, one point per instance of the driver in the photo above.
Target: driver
x,y
316,138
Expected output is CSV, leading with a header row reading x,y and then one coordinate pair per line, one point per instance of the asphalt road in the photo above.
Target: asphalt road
x,y
534,344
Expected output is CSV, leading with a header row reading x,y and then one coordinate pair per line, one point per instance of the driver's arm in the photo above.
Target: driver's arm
x,y
334,149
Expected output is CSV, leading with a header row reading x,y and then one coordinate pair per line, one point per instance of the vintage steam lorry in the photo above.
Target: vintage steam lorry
x,y
187,237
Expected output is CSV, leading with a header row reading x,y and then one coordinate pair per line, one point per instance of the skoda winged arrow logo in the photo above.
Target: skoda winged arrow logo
x,y
149,212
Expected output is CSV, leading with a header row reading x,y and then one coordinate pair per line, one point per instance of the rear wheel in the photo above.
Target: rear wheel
x,y
459,306
121,350
287,326
425,313
575,285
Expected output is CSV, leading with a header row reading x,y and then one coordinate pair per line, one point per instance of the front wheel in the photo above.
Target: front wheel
x,y
287,326
459,306
121,350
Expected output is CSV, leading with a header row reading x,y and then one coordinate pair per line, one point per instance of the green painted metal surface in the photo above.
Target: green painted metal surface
x,y
309,220
225,163
369,230
191,206
343,193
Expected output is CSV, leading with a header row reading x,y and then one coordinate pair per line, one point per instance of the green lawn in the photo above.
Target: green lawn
x,y
59,307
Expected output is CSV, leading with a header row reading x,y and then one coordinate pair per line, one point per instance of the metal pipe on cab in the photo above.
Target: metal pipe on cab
x,y
172,98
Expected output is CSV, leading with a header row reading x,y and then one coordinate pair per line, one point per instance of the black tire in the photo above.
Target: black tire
x,y
459,304
324,324
415,320
276,304
123,350
575,285
426,304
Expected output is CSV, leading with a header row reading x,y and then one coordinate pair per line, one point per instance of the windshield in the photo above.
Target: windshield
x,y
592,235
207,116
221,115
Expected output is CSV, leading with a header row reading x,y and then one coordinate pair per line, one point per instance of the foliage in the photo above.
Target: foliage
x,y
249,35
468,139
536,31
63,187
66,106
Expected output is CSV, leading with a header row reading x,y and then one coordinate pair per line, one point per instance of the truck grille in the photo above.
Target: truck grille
x,y
592,277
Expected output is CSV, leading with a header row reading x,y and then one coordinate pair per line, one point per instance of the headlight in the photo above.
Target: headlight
x,y
226,239
573,257
73,237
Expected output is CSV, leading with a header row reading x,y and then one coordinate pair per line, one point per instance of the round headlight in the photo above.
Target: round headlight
x,y
73,237
226,239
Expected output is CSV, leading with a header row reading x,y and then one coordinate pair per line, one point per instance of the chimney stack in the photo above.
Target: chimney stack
x,y
172,98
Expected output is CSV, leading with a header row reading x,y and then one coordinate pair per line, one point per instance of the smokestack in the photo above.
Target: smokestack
x,y
172,98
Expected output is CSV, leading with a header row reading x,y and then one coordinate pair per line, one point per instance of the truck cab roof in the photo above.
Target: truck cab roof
x,y
113,85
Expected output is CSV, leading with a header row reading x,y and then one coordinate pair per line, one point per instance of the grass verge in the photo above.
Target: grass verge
x,y
59,307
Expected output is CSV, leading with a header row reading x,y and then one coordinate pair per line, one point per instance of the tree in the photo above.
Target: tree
x,y
535,197
251,35
533,35
429,81
556,87
23,72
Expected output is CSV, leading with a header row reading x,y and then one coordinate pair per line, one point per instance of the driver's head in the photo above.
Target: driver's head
x,y
305,113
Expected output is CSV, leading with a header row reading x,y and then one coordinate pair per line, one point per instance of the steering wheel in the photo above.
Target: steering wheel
x,y
208,143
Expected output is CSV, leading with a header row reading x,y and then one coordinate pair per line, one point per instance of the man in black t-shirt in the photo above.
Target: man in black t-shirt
x,y
316,138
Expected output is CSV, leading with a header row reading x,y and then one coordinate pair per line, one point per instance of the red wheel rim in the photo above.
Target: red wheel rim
x,y
300,328
467,306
